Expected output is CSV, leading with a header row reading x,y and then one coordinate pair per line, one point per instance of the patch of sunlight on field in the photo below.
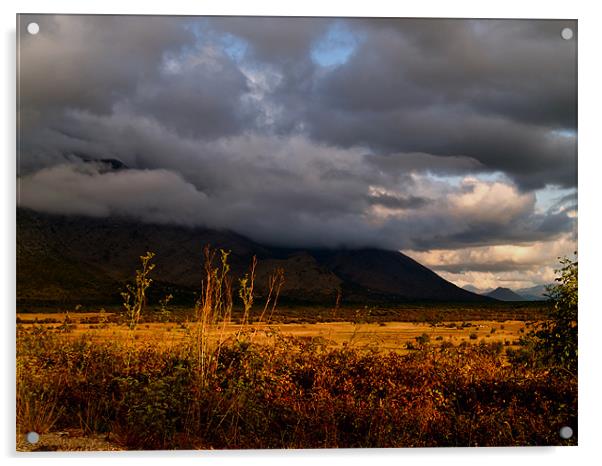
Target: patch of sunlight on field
x,y
387,336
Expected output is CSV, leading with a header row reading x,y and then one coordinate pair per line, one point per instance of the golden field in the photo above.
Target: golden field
x,y
383,336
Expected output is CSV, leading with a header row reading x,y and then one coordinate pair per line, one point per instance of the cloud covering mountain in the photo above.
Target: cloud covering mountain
x,y
452,139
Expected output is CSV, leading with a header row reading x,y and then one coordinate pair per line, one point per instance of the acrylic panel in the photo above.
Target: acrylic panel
x,y
295,232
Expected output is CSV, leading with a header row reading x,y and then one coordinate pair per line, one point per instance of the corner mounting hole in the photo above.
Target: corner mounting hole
x,y
567,33
32,437
566,432
33,28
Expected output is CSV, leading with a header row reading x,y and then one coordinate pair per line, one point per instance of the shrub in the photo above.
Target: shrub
x,y
446,345
293,394
556,338
134,298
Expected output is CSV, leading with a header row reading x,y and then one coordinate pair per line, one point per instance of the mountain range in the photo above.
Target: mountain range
x,y
75,259
534,293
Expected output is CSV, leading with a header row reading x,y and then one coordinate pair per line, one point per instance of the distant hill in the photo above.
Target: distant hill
x,y
534,293
474,289
72,259
505,294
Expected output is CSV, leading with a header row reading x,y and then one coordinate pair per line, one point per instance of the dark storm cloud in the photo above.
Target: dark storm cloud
x,y
234,123
89,61
503,93
556,222
200,97
152,67
519,69
532,156
395,166
499,266
276,40
398,202
528,229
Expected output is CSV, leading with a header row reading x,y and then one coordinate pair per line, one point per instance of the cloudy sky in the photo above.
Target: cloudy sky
x,y
454,141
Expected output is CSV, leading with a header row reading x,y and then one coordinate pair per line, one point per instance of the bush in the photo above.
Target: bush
x,y
446,345
555,340
293,394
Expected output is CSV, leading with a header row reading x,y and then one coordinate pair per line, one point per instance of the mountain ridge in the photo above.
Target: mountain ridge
x,y
72,259
505,294
533,293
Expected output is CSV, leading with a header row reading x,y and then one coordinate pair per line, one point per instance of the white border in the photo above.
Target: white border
x,y
589,222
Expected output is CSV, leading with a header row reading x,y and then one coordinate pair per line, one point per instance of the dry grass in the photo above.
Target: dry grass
x,y
37,409
296,394
384,335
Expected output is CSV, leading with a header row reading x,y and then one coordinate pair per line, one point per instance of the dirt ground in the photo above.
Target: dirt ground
x,y
68,440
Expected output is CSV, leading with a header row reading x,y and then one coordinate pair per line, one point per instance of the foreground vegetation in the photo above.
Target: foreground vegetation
x,y
218,389
289,395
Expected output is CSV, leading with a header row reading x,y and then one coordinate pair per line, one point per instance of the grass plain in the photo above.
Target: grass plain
x,y
344,378
382,335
